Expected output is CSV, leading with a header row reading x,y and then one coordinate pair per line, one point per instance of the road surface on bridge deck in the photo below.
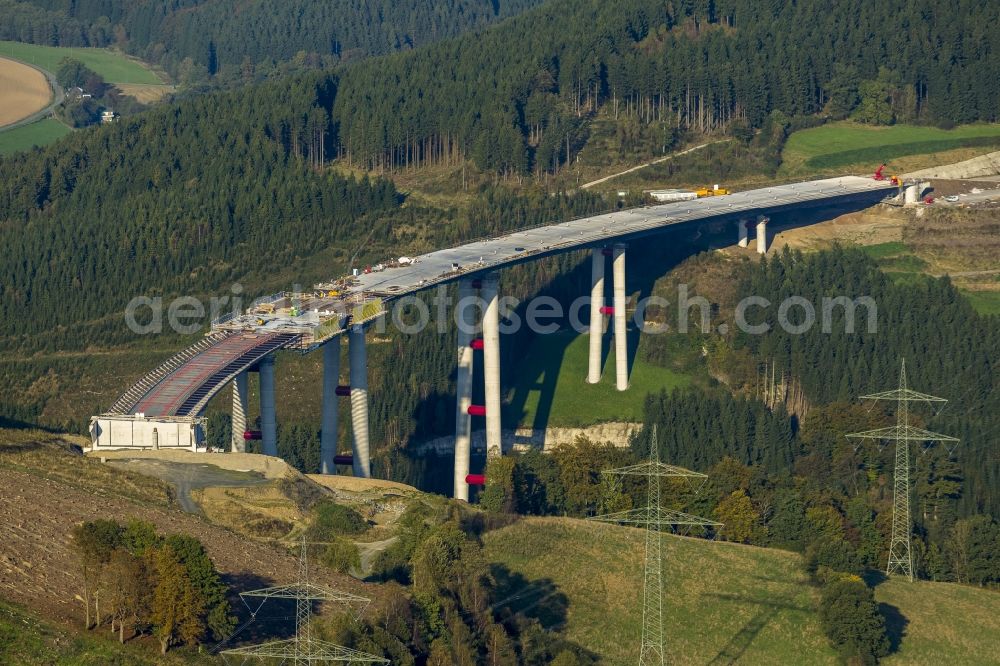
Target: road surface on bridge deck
x,y
494,253
184,388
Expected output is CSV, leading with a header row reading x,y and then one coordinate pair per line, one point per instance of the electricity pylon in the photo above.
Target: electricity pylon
x,y
303,648
653,517
900,556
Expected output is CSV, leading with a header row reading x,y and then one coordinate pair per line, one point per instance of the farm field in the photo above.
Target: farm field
x,y
839,145
114,67
36,134
147,94
25,90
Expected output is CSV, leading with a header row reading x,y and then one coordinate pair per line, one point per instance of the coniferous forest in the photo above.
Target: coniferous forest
x,y
197,39
205,189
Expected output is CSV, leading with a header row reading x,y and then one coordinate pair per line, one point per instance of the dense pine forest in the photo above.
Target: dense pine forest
x,y
182,199
516,98
200,38
205,190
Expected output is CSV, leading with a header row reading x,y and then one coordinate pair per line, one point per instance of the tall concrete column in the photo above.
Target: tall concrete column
x,y
238,444
328,433
268,418
596,316
744,232
762,234
466,319
491,365
621,342
358,355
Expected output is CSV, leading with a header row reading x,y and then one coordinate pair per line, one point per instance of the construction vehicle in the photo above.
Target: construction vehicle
x,y
715,191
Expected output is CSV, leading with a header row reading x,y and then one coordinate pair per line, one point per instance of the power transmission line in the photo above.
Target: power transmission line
x,y
653,517
900,553
304,648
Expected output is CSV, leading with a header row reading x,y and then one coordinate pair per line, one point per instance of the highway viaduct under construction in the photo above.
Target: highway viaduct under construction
x,y
164,408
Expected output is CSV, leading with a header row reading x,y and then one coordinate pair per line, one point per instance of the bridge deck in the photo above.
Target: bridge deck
x,y
187,389
183,385
490,254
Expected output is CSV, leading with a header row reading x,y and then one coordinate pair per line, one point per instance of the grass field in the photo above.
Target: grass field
x,y
26,90
552,388
114,67
985,302
725,604
895,257
36,134
842,144
904,263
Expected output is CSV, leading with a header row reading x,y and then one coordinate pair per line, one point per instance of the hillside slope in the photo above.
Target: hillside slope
x,y
725,603
45,490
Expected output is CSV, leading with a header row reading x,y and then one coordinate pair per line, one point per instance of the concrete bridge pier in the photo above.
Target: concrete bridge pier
x,y
358,355
596,314
238,443
762,234
268,417
491,364
744,232
328,433
621,341
466,319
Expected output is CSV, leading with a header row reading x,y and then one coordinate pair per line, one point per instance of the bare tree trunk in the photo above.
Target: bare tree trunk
x,y
86,605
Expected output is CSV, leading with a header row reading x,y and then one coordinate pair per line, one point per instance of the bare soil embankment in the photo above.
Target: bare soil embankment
x,y
46,489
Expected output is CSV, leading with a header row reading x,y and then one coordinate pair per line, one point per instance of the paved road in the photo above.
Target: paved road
x,y
972,198
482,256
57,97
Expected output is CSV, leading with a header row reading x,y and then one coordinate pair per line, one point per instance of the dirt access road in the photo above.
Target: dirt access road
x,y
25,92
651,163
186,476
